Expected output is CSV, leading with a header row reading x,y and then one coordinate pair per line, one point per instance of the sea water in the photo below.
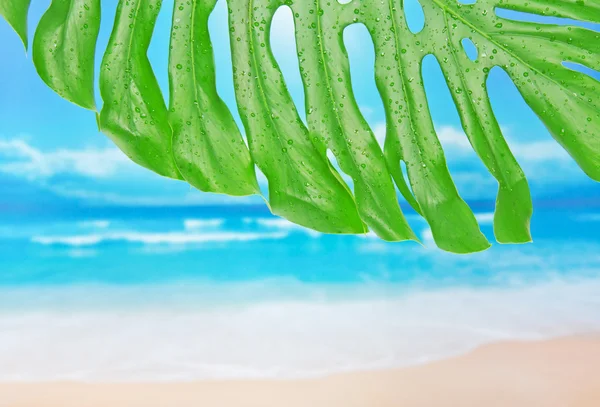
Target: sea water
x,y
217,293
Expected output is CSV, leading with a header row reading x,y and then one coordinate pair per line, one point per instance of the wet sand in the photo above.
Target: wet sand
x,y
555,373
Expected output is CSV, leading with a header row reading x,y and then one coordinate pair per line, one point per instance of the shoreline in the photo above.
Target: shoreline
x,y
561,372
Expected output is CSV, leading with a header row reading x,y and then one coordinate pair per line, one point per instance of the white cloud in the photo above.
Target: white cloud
x,y
539,151
19,158
531,154
450,137
545,163
366,110
380,131
531,151
453,138
485,218
106,177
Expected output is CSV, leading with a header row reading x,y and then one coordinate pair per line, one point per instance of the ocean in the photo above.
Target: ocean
x,y
211,293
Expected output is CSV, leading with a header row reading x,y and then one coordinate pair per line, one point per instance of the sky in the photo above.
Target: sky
x,y
51,149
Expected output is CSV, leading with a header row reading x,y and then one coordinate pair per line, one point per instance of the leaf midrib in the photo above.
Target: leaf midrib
x,y
63,34
208,142
132,124
130,44
192,31
463,81
330,89
398,45
259,79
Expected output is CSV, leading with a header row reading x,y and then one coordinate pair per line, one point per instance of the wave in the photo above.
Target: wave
x,y
281,224
194,224
175,238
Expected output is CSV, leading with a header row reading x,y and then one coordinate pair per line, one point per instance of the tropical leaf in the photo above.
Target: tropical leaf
x,y
134,114
15,13
333,113
208,146
198,140
327,84
303,186
64,47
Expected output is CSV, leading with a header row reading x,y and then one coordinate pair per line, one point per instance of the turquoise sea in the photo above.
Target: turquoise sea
x,y
221,292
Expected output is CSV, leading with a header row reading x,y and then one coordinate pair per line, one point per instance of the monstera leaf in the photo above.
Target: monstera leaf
x,y
15,13
196,138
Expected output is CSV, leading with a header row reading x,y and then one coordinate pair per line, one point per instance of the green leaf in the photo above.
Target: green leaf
x,y
530,53
333,113
134,114
15,13
565,100
303,186
64,48
208,146
411,136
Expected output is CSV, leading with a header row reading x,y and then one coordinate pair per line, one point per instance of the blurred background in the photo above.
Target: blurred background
x,y
166,282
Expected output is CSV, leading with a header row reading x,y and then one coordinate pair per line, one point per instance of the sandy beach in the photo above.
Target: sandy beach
x,y
555,373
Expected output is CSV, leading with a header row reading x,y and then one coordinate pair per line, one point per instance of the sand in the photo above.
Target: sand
x,y
556,373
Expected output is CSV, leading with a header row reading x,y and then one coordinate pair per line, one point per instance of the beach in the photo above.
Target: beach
x,y
554,373
440,164
188,310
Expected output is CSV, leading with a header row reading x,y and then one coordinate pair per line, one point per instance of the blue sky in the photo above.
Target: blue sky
x,y
50,145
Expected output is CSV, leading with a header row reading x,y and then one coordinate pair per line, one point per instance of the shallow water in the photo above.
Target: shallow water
x,y
222,294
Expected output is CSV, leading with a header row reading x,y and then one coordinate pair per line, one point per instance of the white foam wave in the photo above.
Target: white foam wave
x,y
194,224
281,224
175,238
275,338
